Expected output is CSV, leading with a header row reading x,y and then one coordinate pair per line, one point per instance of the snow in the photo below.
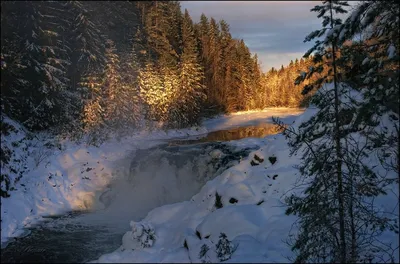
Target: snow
x,y
57,181
239,220
254,223
141,236
252,194
71,176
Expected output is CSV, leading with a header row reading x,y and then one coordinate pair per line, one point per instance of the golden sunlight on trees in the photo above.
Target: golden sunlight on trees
x,y
157,88
122,63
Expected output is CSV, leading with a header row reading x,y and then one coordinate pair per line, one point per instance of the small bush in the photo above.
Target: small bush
x,y
225,248
203,256
218,201
272,160
41,153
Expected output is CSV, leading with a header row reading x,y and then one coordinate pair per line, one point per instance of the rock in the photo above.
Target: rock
x,y
254,163
216,154
233,200
272,160
257,158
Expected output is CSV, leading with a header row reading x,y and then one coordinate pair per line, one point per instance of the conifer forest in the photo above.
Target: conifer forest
x,y
141,116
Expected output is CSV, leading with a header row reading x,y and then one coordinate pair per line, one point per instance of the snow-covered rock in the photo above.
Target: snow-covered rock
x,y
216,154
141,236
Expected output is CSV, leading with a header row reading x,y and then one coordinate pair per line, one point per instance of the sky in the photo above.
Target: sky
x,y
275,30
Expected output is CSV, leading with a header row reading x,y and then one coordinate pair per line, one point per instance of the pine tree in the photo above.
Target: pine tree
x,y
158,86
130,98
112,88
337,220
203,29
214,58
35,89
227,53
317,216
190,95
243,67
158,20
87,44
225,248
375,64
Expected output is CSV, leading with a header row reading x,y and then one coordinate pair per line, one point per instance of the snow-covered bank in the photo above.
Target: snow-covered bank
x,y
251,215
245,202
57,179
65,176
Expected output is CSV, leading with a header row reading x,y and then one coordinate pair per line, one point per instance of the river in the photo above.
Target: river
x,y
149,178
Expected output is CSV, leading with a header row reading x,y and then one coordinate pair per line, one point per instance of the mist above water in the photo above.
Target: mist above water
x,y
158,176
144,180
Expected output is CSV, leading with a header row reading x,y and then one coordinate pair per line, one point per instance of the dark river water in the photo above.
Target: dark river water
x,y
78,237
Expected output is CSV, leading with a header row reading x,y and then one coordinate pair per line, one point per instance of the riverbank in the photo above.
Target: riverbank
x,y
62,178
246,204
66,177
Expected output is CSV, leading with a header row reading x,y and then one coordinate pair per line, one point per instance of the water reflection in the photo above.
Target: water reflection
x,y
236,133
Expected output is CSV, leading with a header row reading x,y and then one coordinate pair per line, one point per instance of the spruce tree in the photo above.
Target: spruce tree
x,y
338,221
190,94
35,86
130,98
375,64
322,210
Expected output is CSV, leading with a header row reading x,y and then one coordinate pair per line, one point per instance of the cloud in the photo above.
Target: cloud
x,y
275,30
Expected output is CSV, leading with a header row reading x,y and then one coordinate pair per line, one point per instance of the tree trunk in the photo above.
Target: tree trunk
x,y
338,153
